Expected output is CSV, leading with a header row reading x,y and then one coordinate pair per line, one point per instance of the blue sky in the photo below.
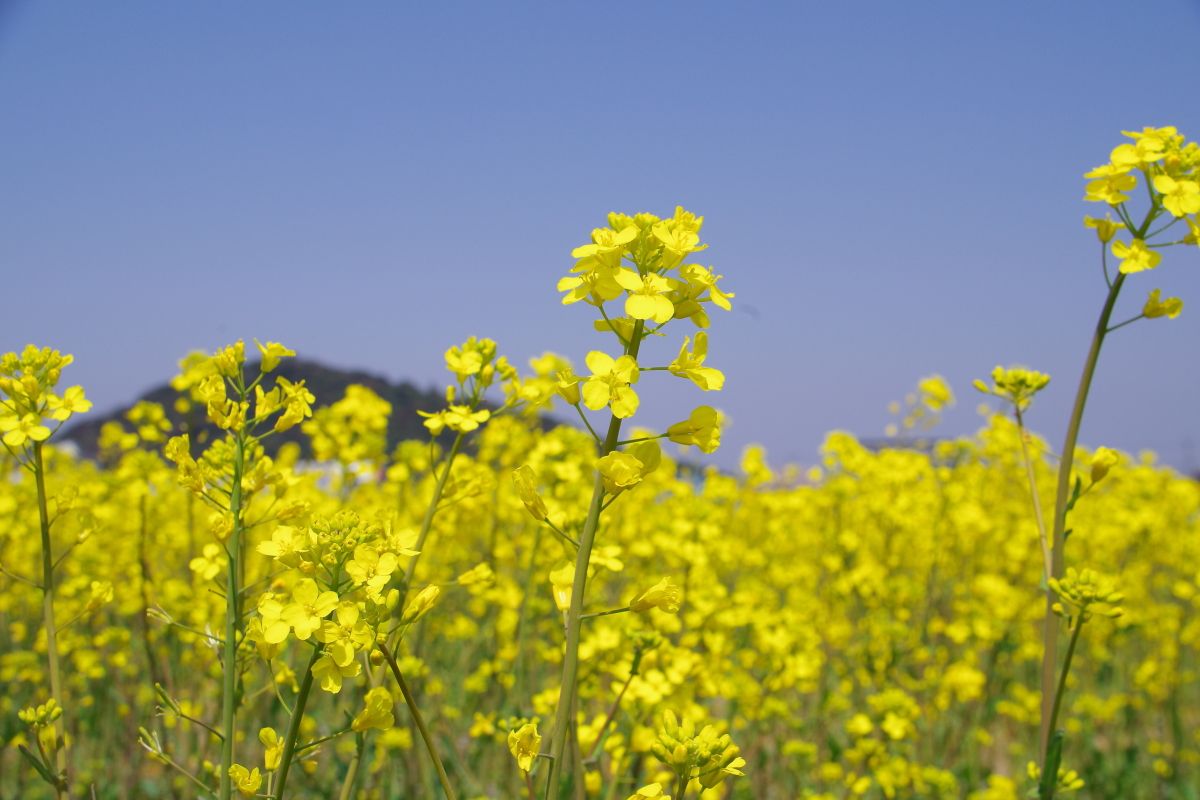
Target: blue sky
x,y
891,189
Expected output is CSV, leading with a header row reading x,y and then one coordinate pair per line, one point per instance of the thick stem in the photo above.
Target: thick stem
x,y
411,702
48,622
1066,462
232,621
293,731
563,719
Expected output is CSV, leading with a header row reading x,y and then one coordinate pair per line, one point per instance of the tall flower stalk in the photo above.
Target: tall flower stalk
x,y
1168,167
28,409
641,262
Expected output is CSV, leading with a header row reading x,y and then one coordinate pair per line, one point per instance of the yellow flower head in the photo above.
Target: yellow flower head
x,y
1105,228
1157,307
610,382
663,595
524,743
702,428
376,712
620,471
1135,256
1017,385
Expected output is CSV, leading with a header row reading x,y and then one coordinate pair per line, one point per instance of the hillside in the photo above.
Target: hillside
x,y
328,384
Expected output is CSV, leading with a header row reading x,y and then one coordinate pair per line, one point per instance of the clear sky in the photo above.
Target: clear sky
x,y
892,189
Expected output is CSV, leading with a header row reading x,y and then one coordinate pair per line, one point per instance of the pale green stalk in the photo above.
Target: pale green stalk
x,y
48,622
430,513
232,621
426,736
564,721
1057,562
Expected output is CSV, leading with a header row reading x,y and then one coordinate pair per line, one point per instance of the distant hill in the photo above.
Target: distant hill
x,y
328,384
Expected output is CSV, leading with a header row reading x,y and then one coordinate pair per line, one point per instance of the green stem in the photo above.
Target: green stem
x,y
1033,491
60,754
352,771
430,513
420,722
595,614
293,732
563,720
1066,669
232,621
1066,461
612,714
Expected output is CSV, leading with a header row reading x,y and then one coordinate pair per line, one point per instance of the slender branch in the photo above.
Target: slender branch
x,y
1033,491
430,512
1066,668
419,720
565,536
583,417
1129,321
16,577
608,720
611,611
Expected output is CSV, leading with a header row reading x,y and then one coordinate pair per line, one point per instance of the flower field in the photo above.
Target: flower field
x,y
510,610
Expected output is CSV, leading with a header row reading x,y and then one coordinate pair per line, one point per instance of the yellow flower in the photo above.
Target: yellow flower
x,y
1103,460
274,628
596,286
371,570
1157,307
210,563
647,295
620,471
859,725
663,595
524,743
525,482
272,353
376,712
702,428
308,608
27,427
690,365
273,748
606,249
1180,197
1018,385
346,634
1135,256
245,781
1109,186
562,580
330,672
1105,228
653,790
420,605
73,401
610,384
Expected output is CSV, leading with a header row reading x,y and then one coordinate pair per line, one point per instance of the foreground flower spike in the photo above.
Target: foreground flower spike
x,y
1168,166
645,258
31,413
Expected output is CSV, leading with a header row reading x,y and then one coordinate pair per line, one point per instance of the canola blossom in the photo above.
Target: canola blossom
x,y
511,609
